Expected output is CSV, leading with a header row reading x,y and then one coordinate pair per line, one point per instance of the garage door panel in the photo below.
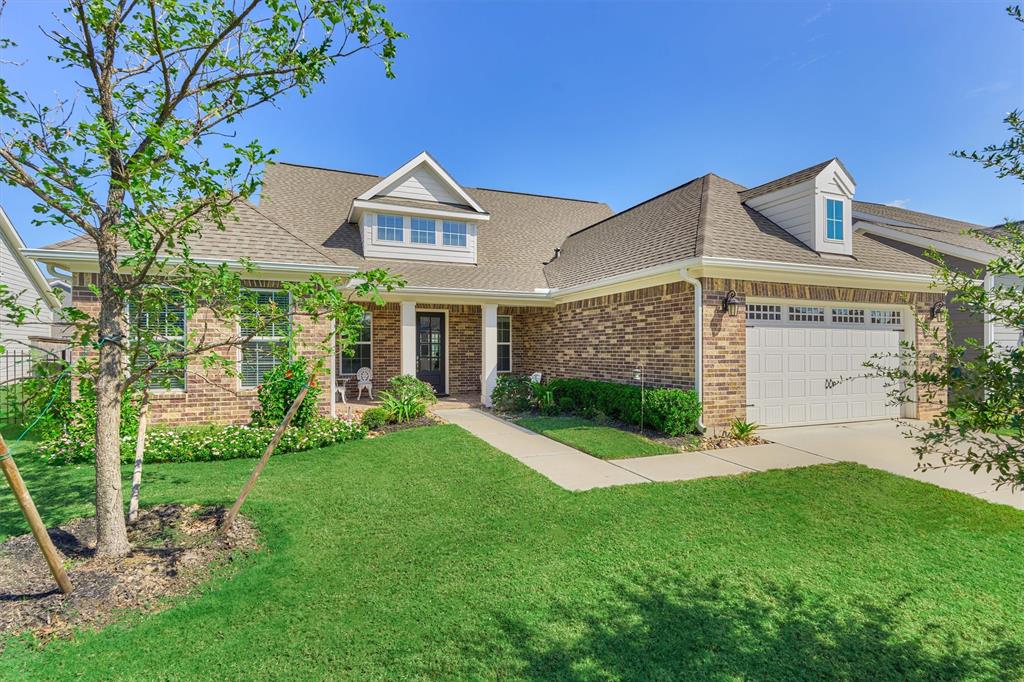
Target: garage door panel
x,y
813,372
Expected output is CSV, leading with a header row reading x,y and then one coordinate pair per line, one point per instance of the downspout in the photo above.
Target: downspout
x,y
698,339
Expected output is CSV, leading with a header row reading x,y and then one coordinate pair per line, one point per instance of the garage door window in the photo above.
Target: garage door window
x,y
805,313
885,317
848,315
761,311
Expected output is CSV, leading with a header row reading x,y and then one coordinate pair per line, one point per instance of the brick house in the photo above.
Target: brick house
x,y
758,298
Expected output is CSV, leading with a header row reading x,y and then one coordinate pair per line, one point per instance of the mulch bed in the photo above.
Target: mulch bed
x,y
426,420
175,547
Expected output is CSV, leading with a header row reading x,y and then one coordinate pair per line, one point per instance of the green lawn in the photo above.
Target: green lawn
x,y
426,554
605,442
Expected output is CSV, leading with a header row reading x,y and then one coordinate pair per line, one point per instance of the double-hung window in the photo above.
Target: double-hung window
x,y
454,233
362,355
389,228
504,344
424,231
161,329
834,219
261,353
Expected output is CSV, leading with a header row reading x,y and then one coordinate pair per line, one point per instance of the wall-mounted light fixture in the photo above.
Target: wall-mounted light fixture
x,y
730,304
938,308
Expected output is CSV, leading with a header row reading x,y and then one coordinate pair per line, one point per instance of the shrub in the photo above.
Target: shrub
x,y
280,388
544,399
375,417
407,398
672,411
68,429
741,430
512,393
218,442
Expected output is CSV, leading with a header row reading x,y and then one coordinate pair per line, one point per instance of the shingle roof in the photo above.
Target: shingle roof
x,y
248,233
936,228
791,179
512,247
704,217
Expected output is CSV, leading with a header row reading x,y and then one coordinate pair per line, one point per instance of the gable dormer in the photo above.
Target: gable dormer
x,y
814,205
419,212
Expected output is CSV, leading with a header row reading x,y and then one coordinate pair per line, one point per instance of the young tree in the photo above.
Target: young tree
x,y
126,166
983,425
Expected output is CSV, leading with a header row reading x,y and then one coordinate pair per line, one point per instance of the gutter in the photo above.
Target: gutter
x,y
48,255
698,339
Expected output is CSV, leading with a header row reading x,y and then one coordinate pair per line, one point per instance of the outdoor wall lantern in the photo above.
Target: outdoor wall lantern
x,y
938,308
731,304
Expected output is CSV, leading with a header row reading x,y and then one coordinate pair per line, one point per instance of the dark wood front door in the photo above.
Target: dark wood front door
x,y
430,360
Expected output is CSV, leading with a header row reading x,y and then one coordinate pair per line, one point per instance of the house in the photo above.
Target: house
x,y
961,249
759,298
23,279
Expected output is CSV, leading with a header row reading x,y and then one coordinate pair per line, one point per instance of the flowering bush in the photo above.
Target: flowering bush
x,y
407,398
280,388
216,442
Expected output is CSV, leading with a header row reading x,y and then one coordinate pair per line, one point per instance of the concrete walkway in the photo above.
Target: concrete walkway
x,y
875,444
565,466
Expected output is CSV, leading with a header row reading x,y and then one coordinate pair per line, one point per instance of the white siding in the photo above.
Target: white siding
x,y
423,184
792,209
408,250
12,273
1004,335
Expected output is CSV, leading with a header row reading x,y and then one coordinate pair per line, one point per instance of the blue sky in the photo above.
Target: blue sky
x,y
621,101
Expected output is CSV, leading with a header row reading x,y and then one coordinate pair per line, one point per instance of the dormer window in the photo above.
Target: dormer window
x,y
834,220
424,231
454,233
389,228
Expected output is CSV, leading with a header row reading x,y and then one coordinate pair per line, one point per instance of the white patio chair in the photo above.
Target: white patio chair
x,y
364,379
536,377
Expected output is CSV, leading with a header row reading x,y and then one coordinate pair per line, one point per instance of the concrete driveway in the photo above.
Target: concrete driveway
x,y
881,445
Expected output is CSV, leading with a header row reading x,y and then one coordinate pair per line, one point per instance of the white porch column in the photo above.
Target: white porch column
x,y
409,338
489,353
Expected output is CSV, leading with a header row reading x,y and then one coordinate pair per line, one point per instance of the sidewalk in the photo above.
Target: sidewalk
x,y
563,465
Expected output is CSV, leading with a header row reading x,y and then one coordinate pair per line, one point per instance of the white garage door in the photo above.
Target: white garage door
x,y
805,363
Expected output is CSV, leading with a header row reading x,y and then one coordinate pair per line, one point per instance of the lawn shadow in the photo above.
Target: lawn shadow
x,y
683,631
59,493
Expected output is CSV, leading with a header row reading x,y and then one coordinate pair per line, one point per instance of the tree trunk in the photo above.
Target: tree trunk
x,y
111,531
140,451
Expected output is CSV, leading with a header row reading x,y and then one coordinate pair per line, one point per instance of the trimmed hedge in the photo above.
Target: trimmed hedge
x,y
672,411
209,443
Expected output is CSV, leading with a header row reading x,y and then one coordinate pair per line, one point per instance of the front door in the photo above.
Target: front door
x,y
430,350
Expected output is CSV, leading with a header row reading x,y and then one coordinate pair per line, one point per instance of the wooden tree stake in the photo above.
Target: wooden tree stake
x,y
28,508
233,512
140,450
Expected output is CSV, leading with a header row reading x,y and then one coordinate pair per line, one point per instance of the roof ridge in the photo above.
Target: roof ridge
x,y
634,206
467,187
702,217
822,164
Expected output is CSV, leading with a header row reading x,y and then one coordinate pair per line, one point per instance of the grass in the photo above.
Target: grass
x,y
426,554
605,442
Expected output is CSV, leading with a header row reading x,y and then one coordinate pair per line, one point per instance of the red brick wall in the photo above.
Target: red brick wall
x,y
725,338
607,337
211,395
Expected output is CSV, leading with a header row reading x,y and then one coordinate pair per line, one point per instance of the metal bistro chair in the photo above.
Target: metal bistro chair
x,y
536,377
364,379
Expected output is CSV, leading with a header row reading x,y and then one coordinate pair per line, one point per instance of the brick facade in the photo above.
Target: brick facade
x,y
725,338
211,395
604,337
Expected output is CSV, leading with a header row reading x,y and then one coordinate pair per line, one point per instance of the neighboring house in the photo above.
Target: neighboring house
x,y
22,278
961,249
759,298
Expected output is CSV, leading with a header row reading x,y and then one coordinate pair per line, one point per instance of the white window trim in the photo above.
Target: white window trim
x,y
412,230
342,356
507,343
378,227
182,338
256,339
464,234
407,234
842,223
